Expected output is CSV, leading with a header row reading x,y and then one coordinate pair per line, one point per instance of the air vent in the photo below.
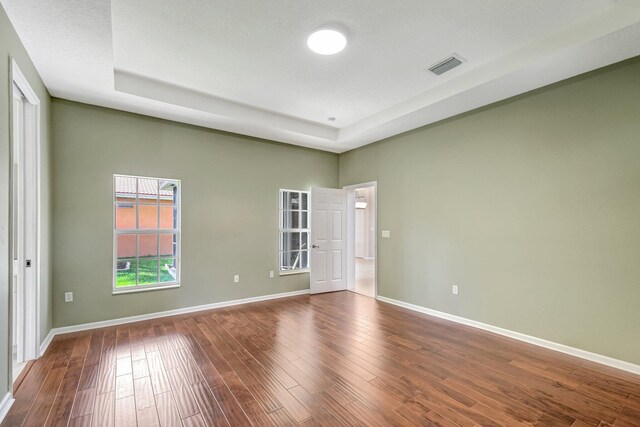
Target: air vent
x,y
446,65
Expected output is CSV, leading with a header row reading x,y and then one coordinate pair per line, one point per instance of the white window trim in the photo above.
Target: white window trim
x,y
178,232
281,230
291,272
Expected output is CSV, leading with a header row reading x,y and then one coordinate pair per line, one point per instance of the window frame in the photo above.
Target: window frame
x,y
282,230
177,232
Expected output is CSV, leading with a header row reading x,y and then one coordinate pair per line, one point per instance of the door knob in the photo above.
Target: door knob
x,y
315,246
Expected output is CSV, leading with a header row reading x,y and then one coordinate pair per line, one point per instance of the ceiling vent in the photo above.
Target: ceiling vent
x,y
446,65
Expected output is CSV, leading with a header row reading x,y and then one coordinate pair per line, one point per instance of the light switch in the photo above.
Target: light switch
x,y
236,278
386,234
68,297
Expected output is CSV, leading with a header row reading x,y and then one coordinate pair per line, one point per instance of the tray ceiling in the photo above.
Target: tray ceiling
x,y
244,66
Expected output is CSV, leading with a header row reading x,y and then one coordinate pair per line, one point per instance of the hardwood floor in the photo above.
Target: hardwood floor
x,y
327,360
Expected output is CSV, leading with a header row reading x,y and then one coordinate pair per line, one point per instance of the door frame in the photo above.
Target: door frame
x,y
351,234
32,167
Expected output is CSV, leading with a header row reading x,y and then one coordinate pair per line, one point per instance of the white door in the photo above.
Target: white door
x,y
25,129
18,212
328,240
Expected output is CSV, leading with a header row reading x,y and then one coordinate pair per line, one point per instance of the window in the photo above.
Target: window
x,y
146,233
294,231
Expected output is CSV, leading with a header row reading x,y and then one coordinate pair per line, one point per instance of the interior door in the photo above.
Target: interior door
x,y
17,214
328,240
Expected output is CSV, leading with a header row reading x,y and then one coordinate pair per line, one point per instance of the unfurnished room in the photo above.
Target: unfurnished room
x,y
320,213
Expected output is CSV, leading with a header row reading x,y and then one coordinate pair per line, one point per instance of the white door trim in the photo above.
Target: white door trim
x,y
351,234
32,167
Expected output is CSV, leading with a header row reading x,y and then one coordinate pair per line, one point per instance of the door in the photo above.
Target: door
x,y
328,240
17,217
25,194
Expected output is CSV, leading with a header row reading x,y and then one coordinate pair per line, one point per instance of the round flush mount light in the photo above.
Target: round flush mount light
x,y
327,40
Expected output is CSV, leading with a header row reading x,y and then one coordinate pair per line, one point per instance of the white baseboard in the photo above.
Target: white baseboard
x,y
5,405
46,342
131,319
583,354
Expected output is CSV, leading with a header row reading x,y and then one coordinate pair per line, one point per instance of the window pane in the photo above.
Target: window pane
x,y
148,217
290,260
125,273
125,189
293,201
294,259
168,192
285,258
304,220
147,245
290,241
147,271
168,270
168,217
144,256
304,242
304,259
126,216
168,245
147,190
304,204
291,219
126,246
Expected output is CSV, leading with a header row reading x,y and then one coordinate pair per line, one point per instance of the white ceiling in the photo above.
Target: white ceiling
x,y
243,66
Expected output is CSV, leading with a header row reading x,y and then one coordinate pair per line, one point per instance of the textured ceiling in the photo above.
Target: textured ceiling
x,y
243,66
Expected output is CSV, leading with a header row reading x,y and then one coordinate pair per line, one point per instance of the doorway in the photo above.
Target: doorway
x,y
25,220
362,240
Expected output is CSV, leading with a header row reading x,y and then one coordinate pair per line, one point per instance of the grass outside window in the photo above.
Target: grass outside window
x,y
147,270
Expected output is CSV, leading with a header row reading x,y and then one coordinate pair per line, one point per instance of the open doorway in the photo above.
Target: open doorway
x,y
362,239
25,220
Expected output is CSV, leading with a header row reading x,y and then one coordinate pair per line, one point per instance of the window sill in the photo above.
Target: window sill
x,y
290,272
141,289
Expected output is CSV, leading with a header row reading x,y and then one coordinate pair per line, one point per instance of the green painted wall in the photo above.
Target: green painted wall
x,y
230,186
531,206
11,47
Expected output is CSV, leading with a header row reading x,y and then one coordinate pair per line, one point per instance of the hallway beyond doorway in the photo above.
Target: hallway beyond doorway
x,y
365,277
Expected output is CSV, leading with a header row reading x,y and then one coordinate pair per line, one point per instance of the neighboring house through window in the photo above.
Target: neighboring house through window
x,y
146,235
294,231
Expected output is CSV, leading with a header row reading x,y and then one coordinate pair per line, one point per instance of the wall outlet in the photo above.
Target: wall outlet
x,y
236,279
68,297
386,234
272,274
454,289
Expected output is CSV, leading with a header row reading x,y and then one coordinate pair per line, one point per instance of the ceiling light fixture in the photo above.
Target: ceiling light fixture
x,y
328,39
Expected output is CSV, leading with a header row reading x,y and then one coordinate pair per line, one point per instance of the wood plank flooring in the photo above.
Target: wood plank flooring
x,y
337,359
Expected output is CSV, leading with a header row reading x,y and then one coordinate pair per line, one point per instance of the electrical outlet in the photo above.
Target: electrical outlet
x,y
236,278
454,289
272,274
386,234
68,297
